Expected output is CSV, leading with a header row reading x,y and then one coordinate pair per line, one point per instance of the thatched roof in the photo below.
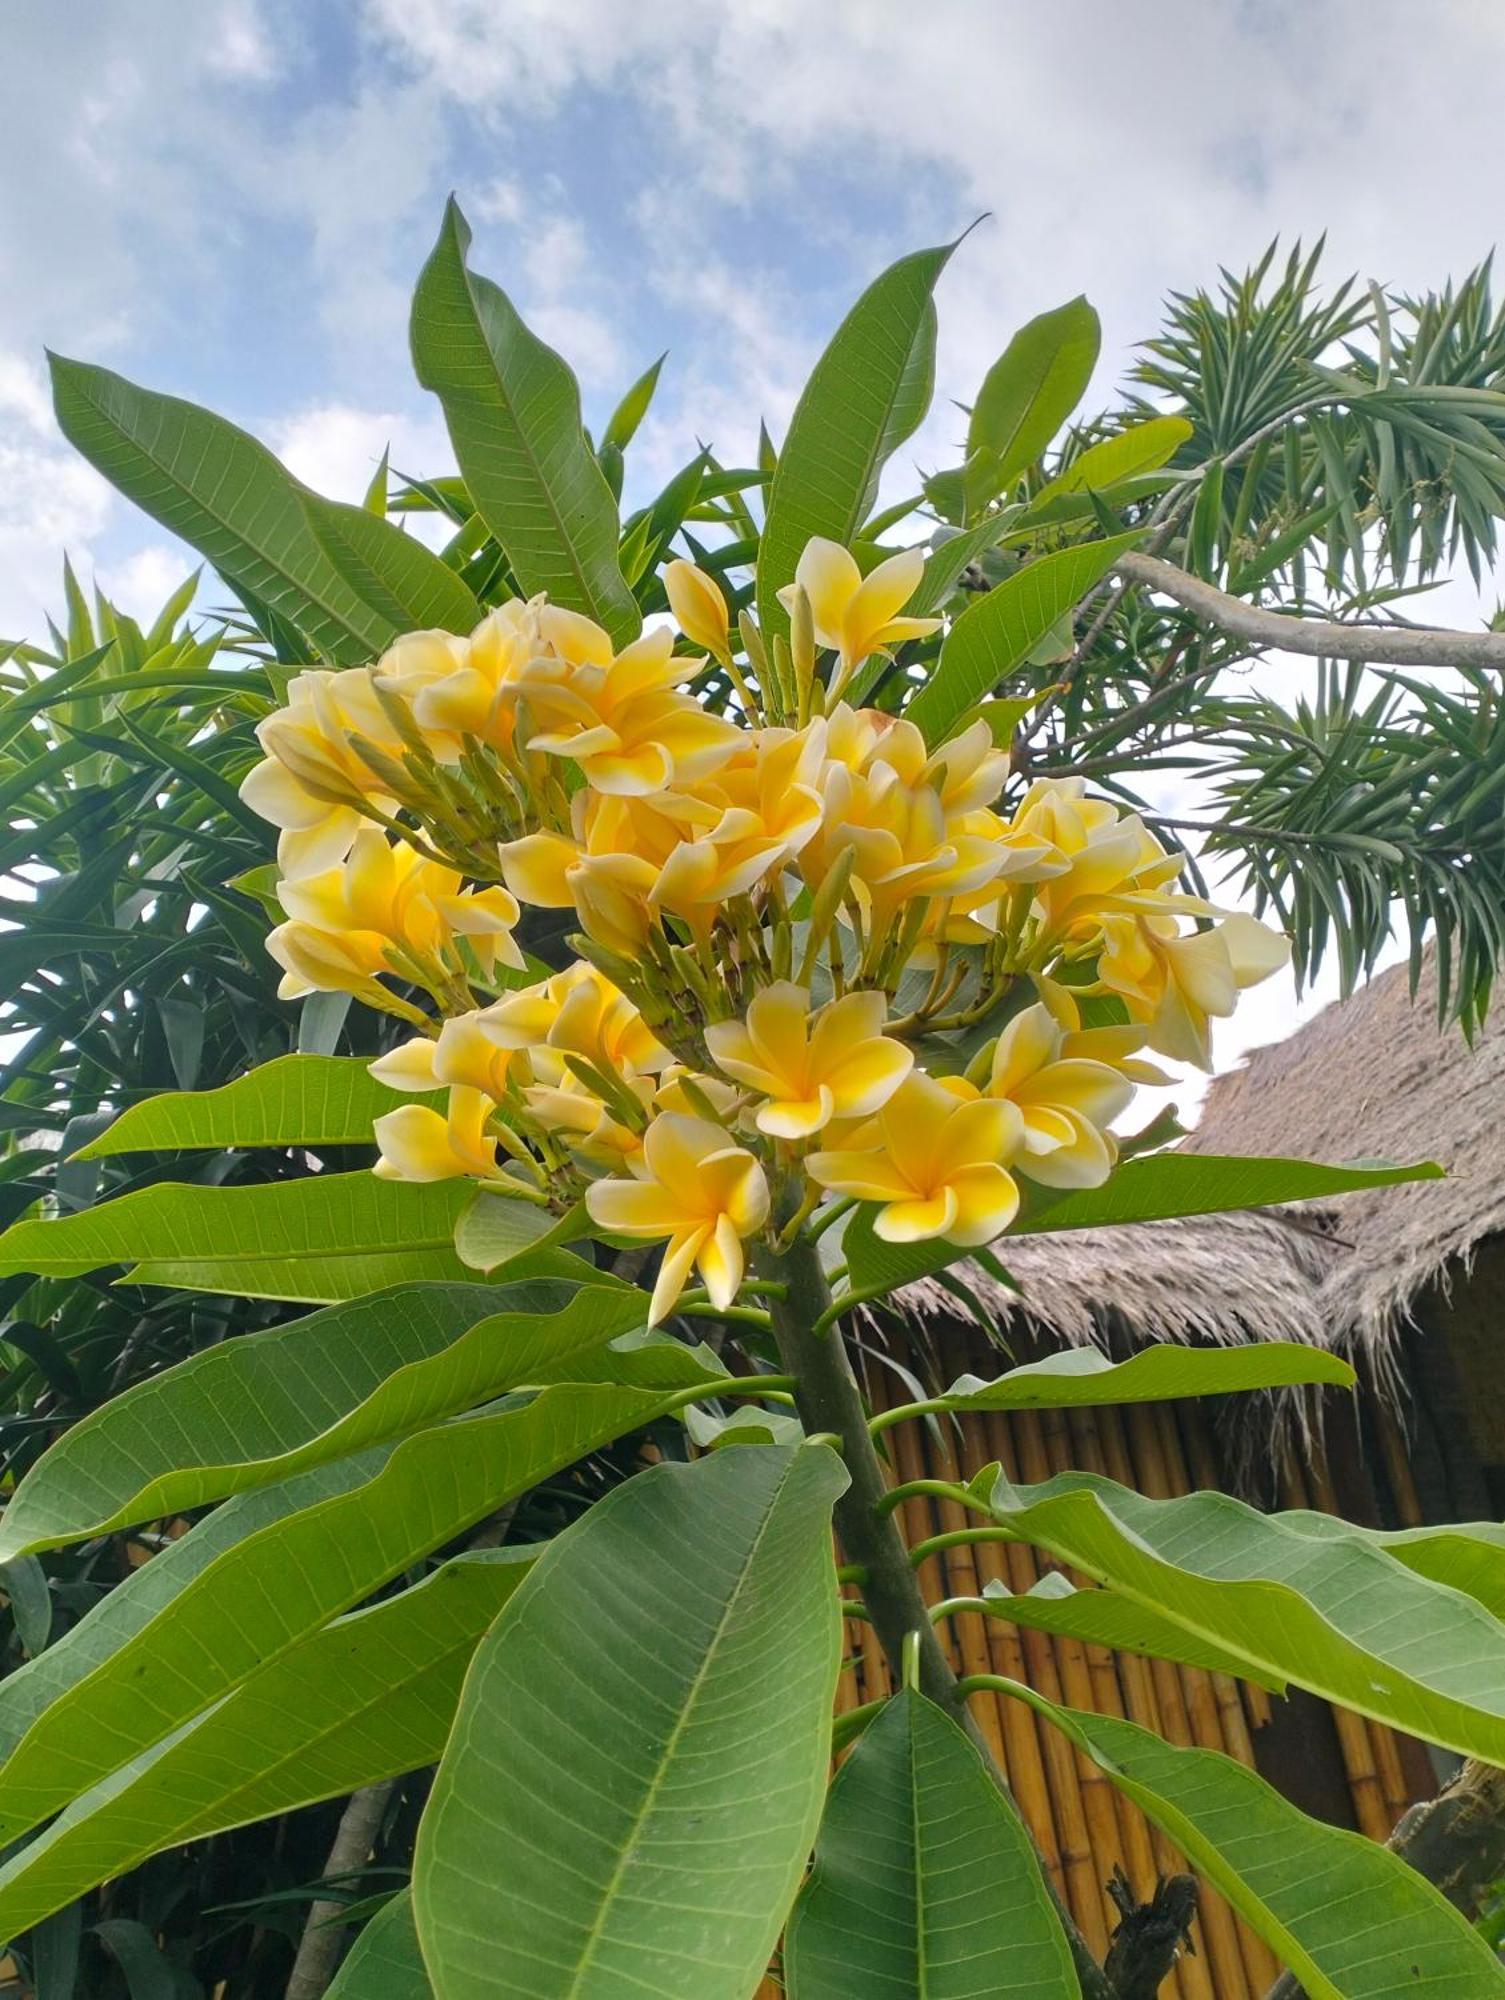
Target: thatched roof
x,y
1371,1078
1376,1078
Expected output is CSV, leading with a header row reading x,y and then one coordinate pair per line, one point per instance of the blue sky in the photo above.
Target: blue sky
x,y
230,200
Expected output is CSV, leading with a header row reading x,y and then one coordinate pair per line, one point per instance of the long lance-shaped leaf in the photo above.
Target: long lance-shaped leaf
x,y
1348,1917
263,1407
1082,1377
644,1737
1000,631
870,390
150,1591
273,1588
385,1963
1141,448
297,1100
925,1884
393,572
1163,1185
1466,1555
1026,396
315,1240
227,495
1103,1618
368,1697
1337,1615
513,411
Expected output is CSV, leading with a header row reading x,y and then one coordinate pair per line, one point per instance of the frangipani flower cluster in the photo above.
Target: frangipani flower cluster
x,y
806,959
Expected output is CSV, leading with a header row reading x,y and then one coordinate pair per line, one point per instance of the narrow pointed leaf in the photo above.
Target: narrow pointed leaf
x,y
227,496
644,1737
263,1407
1348,1917
1026,396
1104,1618
1141,448
1335,1615
1170,1184
1466,1555
385,1963
322,1238
391,571
999,632
272,1588
297,1100
925,1884
1082,1377
512,407
368,1697
870,390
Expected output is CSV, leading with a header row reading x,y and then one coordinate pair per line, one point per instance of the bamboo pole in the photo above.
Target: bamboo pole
x,y
954,1574
1260,1963
1084,1888
1107,1695
1225,1950
1137,1681
1396,1456
1099,1800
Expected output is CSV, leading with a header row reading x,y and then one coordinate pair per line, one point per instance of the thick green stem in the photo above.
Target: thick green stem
x,y
829,1400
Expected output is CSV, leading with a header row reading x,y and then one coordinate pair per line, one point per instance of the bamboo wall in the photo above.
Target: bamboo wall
x,y
1082,1826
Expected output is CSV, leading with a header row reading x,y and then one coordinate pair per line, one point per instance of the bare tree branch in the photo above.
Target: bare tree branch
x,y
323,1933
1323,638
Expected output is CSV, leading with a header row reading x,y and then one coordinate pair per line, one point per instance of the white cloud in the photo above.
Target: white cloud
x,y
143,582
49,501
336,448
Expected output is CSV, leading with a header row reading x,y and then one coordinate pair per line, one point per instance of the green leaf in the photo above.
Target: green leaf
x,y
496,1230
644,1738
149,1590
297,1100
227,495
945,564
392,571
267,1405
925,1884
274,1587
998,633
1169,1184
1466,1555
368,1697
1103,1618
385,1963
1337,1616
24,1582
512,407
1083,1377
1141,448
870,390
1026,396
1348,1917
622,425
149,1972
325,1237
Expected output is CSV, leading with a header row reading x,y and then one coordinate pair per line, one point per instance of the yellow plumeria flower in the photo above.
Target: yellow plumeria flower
x,y
459,688
570,1111
699,607
1102,856
466,1052
621,717
855,615
837,1063
577,1011
313,781
391,909
934,1158
767,807
420,1144
1178,984
699,1190
1065,1102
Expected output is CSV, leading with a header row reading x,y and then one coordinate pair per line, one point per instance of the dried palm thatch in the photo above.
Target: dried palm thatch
x,y
1376,1078
1371,1078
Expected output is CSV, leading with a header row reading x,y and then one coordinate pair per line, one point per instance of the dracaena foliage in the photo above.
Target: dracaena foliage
x,y
680,908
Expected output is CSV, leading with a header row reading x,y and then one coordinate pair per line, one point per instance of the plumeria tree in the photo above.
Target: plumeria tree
x,y
747,946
